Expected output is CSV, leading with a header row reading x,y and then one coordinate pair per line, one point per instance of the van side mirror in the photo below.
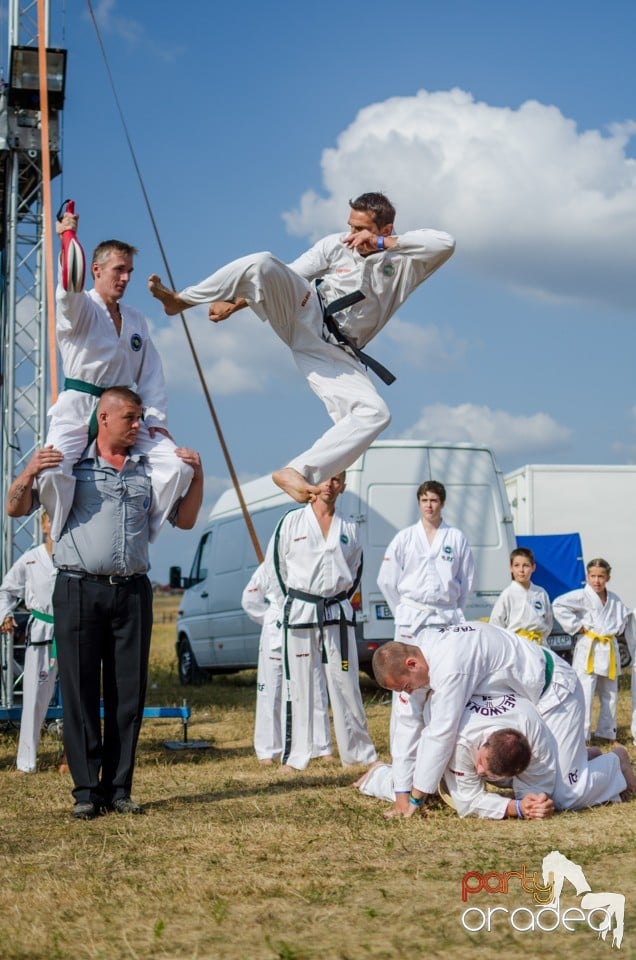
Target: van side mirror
x,y
174,578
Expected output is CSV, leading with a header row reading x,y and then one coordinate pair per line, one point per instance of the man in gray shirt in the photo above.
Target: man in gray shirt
x,y
102,600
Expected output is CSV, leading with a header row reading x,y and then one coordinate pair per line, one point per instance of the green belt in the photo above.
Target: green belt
x,y
46,618
83,387
549,670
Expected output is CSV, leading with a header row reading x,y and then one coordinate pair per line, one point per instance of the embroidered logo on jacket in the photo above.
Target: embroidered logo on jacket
x,y
136,342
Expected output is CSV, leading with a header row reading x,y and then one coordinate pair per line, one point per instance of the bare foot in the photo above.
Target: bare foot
x,y
626,768
362,780
295,485
266,762
222,309
286,769
172,304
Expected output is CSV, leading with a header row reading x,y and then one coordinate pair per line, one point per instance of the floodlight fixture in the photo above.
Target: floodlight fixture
x,y
24,78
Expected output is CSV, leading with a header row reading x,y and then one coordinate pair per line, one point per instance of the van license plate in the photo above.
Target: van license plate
x,y
383,612
560,641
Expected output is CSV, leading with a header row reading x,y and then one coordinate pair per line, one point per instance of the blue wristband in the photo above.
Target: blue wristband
x,y
380,243
518,809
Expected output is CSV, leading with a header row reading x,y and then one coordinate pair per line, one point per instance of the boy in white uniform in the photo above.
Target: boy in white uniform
x,y
427,573
537,787
522,606
597,615
263,603
104,343
369,260
32,579
428,569
317,556
462,661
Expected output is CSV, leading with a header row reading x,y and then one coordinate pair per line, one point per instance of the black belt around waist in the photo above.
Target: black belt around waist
x,y
113,579
336,306
321,621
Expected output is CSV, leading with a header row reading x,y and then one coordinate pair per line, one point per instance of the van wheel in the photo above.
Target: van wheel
x,y
189,672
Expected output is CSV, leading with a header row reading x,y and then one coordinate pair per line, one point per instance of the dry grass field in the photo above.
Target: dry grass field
x,y
234,860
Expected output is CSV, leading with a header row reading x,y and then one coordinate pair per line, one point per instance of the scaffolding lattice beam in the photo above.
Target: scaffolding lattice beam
x,y
23,328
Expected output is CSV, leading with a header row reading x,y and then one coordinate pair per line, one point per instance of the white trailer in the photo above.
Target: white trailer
x,y
598,502
213,633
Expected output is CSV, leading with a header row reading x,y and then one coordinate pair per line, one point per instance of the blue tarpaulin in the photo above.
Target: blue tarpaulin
x,y
559,559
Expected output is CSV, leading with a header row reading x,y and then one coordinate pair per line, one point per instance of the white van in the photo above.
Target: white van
x,y
213,633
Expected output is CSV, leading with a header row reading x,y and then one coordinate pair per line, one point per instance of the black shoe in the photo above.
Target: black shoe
x,y
125,805
85,810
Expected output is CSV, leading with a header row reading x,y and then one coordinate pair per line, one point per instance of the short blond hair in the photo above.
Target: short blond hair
x,y
389,662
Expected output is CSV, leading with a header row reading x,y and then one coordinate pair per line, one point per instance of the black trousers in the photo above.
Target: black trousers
x,y
103,642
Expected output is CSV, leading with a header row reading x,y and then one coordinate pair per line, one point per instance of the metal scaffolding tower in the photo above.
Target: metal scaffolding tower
x,y
23,331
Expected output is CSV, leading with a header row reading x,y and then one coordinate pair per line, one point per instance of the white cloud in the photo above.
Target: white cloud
x,y
503,432
240,355
110,21
133,32
424,346
534,202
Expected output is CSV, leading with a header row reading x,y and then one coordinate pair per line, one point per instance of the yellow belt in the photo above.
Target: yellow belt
x,y
533,635
598,638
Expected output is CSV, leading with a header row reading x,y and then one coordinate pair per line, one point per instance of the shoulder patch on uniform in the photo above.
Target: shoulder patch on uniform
x,y
388,269
344,538
136,342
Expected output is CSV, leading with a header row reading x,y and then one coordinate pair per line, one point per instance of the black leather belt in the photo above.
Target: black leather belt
x,y
112,579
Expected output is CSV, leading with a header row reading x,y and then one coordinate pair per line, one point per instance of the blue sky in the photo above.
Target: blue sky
x,y
509,125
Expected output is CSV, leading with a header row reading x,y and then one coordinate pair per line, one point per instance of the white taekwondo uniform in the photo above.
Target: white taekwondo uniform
x,y
602,781
318,632
425,584
263,603
596,657
478,659
32,579
94,354
286,297
527,612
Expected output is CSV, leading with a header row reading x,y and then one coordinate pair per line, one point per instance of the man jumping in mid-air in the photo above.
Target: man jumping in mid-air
x,y
326,306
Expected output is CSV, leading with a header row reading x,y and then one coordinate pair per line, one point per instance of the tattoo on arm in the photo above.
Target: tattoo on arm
x,y
17,492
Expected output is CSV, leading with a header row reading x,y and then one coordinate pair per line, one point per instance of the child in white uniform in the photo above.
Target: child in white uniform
x,y
522,606
596,615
